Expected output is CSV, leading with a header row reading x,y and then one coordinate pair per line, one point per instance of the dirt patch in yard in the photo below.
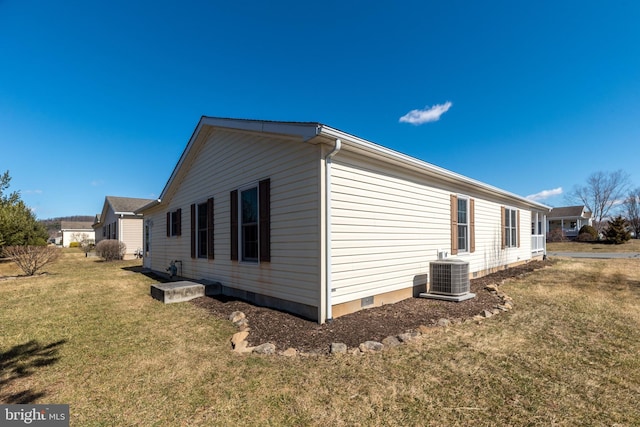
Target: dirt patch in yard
x,y
374,324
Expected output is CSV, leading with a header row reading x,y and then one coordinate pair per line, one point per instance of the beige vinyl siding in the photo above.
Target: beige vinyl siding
x,y
388,225
385,228
231,160
489,255
130,231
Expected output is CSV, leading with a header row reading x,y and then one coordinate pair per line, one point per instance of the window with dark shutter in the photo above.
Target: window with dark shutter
x,y
202,234
251,223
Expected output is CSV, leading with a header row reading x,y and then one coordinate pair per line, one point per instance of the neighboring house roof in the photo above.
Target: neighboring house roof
x,y
120,206
126,205
75,225
315,133
569,212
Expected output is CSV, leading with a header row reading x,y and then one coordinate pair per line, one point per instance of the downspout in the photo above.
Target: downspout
x,y
328,161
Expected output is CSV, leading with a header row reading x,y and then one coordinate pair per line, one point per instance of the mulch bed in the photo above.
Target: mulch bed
x,y
374,324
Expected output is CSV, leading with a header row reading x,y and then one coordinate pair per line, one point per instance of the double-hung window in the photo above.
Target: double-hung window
x,y
174,223
202,230
510,228
251,223
202,236
463,224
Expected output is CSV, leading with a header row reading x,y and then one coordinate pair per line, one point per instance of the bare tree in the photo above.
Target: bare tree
x,y
603,192
31,259
632,211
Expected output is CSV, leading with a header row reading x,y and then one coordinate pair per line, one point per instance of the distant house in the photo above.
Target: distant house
x,y
119,221
75,231
312,220
569,219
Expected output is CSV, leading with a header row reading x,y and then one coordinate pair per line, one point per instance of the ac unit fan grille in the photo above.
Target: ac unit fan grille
x,y
449,278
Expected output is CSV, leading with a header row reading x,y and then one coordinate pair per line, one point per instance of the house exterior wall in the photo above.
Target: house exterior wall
x,y
69,236
130,233
126,229
388,224
230,160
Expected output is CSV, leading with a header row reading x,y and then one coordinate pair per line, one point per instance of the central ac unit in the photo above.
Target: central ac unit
x,y
449,280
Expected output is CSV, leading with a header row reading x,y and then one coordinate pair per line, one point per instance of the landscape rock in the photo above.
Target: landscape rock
x,y
338,348
426,329
236,316
408,336
444,322
266,348
495,311
368,346
486,313
492,288
239,337
242,323
290,352
242,347
391,341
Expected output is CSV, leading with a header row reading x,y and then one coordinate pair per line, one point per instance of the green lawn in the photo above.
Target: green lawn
x,y
89,335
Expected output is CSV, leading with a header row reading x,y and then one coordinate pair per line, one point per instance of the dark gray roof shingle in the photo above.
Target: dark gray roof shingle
x,y
126,204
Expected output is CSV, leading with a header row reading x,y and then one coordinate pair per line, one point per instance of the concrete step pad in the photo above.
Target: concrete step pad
x,y
183,290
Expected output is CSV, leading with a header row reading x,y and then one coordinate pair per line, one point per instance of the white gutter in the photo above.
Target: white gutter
x,y
328,161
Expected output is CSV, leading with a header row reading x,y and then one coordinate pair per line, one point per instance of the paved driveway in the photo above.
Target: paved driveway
x,y
603,255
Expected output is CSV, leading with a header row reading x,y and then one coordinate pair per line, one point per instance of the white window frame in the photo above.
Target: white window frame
x,y
511,227
466,224
241,241
173,223
205,229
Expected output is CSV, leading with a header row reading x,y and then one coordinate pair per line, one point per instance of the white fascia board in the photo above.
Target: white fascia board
x,y
148,206
304,130
397,157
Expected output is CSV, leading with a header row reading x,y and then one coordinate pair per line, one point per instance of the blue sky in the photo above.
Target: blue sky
x,y
100,98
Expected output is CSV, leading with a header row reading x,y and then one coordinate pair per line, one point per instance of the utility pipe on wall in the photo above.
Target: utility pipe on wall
x,y
328,160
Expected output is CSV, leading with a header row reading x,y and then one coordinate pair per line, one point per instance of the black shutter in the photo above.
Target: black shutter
x,y
168,224
210,228
179,222
193,231
264,213
234,225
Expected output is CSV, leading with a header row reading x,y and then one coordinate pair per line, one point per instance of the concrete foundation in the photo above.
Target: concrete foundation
x,y
177,291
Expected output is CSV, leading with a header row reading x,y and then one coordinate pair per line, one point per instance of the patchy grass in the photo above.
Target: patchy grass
x,y
632,245
88,334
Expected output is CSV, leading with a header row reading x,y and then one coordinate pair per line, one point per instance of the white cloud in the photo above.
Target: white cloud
x,y
429,114
33,192
545,194
97,182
